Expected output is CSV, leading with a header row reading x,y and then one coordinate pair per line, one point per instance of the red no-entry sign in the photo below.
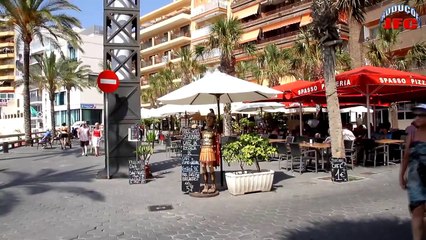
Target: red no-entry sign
x,y
108,81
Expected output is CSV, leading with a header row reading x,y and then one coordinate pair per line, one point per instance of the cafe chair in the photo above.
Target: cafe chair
x,y
372,149
298,155
350,153
282,155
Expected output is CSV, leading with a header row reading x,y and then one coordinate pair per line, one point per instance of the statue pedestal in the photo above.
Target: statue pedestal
x,y
204,195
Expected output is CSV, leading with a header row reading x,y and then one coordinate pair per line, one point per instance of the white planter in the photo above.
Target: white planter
x,y
241,183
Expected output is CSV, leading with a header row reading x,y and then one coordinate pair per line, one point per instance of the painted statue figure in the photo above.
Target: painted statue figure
x,y
208,154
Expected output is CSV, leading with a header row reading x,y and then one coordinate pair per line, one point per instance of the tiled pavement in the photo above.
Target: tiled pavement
x,y
53,194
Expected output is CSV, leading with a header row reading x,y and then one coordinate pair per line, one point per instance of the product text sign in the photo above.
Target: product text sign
x,y
191,160
400,17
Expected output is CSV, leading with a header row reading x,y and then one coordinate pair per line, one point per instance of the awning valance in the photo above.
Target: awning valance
x,y
247,12
306,19
249,36
281,24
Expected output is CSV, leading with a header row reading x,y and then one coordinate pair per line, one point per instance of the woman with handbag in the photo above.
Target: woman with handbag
x,y
413,172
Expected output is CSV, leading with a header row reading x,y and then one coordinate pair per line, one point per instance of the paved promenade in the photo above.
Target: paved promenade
x,y
53,194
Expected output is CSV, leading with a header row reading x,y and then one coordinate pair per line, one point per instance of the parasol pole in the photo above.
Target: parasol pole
x,y
300,119
219,142
368,113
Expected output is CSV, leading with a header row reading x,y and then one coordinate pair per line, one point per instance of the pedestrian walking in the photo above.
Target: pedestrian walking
x,y
84,136
96,138
413,172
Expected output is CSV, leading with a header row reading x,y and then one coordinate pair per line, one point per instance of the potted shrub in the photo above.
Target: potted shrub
x,y
249,149
145,151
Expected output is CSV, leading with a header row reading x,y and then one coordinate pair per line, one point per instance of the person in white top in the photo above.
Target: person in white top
x,y
84,136
348,134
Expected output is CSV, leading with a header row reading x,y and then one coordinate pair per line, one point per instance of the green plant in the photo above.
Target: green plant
x,y
144,151
150,137
147,122
248,149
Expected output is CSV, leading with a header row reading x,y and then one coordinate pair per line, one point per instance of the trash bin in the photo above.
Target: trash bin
x,y
5,147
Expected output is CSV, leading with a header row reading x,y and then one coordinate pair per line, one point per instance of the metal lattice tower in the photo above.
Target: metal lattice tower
x,y
121,55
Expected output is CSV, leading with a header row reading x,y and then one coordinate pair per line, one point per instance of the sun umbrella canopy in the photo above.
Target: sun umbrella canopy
x,y
260,106
228,88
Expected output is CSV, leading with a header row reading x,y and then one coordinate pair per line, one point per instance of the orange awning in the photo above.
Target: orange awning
x,y
281,24
247,12
306,19
249,36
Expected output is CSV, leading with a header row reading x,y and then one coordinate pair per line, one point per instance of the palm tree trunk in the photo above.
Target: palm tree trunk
x,y
68,108
52,112
26,93
334,118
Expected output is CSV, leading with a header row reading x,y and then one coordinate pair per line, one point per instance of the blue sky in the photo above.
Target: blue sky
x,y
92,10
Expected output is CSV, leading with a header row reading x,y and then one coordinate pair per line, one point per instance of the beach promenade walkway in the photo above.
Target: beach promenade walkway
x,y
53,194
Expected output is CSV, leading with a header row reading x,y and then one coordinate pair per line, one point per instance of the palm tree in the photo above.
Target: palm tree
x,y
274,64
46,72
30,18
72,74
188,66
380,52
225,34
325,16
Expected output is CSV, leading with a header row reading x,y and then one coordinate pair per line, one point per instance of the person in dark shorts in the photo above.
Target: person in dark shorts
x,y
84,136
64,136
413,172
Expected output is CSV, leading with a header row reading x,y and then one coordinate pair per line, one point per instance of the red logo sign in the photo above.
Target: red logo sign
x,y
411,22
108,81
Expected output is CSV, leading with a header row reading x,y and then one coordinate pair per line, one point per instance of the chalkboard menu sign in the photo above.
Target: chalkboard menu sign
x,y
339,171
191,160
136,172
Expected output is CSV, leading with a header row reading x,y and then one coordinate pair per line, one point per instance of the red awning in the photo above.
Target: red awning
x,y
288,89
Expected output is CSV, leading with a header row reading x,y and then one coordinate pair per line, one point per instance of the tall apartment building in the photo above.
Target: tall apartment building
x,y
276,22
163,33
7,63
361,35
204,13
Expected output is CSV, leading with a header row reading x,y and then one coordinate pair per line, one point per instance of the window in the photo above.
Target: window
x,y
404,111
72,53
60,99
374,31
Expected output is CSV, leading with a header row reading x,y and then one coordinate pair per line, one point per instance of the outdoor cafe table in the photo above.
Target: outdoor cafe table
x,y
388,142
277,140
318,147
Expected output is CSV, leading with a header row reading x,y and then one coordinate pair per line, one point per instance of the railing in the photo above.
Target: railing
x,y
160,40
201,32
146,63
17,140
237,3
147,25
280,36
209,54
209,6
35,98
287,6
181,34
146,45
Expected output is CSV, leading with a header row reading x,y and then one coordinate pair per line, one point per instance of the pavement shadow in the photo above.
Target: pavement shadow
x,y
165,165
371,229
281,176
40,154
41,181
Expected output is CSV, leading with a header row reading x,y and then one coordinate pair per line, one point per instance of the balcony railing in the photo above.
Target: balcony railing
x,y
208,6
160,40
164,18
214,53
201,32
286,6
279,36
35,98
181,34
146,62
237,3
146,45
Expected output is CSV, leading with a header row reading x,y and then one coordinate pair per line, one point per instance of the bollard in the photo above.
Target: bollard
x,y
5,147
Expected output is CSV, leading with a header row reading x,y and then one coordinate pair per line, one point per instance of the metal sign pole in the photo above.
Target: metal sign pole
x,y
106,130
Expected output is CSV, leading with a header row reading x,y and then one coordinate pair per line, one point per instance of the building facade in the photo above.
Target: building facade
x,y
7,64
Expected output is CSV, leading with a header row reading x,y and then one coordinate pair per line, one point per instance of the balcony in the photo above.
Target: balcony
x,y
161,40
237,3
35,100
146,45
178,39
9,77
165,25
7,44
7,66
159,63
209,10
6,33
180,34
202,32
280,11
7,55
209,55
